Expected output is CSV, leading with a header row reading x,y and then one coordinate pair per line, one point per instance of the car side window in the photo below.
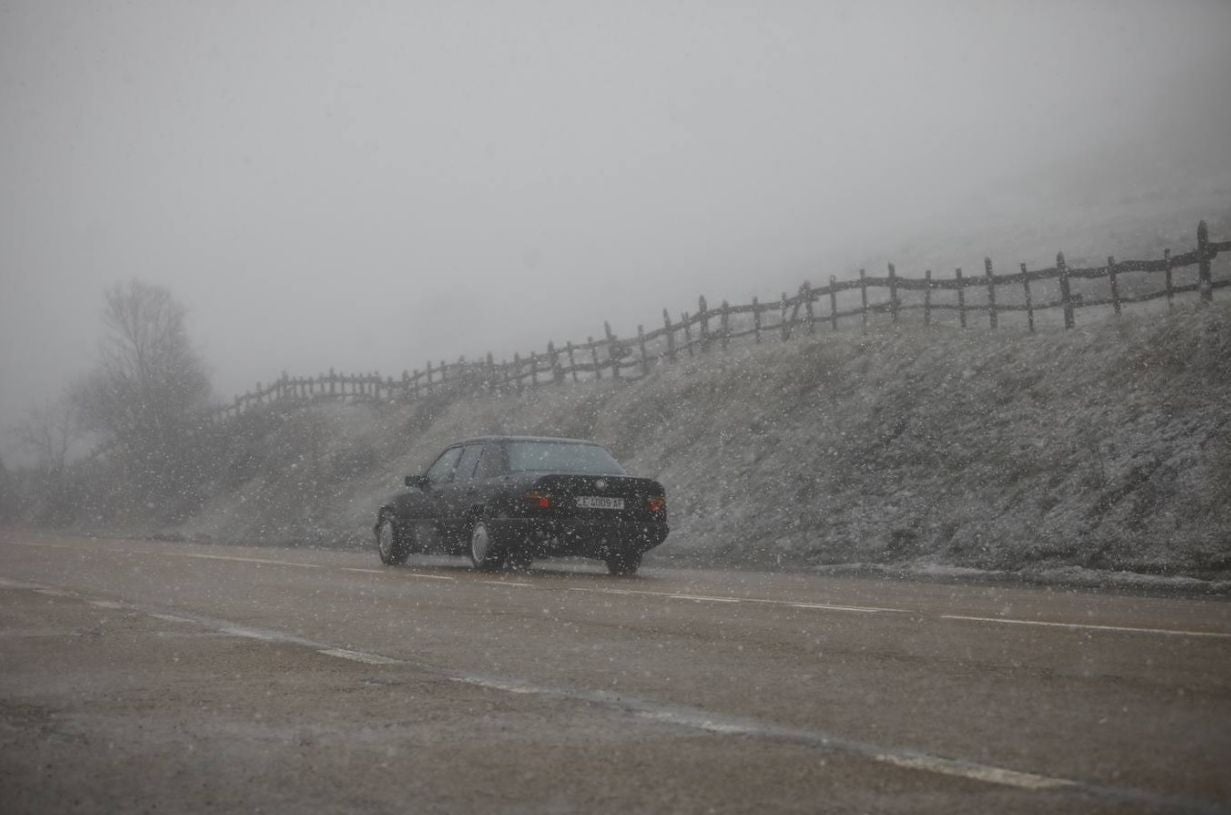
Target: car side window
x,y
492,462
441,471
465,465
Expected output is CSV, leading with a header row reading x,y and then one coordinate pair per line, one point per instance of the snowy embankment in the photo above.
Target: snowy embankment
x,y
1107,448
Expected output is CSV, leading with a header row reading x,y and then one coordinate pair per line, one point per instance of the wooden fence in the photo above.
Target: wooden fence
x,y
1027,295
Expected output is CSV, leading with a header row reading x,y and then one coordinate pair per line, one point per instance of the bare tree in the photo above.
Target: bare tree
x,y
47,433
149,387
8,494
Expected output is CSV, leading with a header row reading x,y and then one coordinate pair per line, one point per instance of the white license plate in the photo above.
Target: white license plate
x,y
599,502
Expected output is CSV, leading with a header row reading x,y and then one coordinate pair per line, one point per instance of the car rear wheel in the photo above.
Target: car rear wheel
x,y
391,542
485,552
623,564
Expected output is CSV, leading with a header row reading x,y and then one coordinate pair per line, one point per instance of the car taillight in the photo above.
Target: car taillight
x,y
658,505
537,500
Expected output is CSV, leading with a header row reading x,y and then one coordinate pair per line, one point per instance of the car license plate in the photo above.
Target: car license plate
x,y
599,502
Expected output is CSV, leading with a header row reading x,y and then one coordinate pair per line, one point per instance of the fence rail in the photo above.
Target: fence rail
x,y
616,357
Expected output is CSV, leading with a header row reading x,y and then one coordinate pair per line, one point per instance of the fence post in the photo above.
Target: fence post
x,y
807,293
833,301
598,373
756,320
1115,289
557,372
993,319
863,293
704,313
444,369
726,323
893,292
961,298
645,363
517,371
783,322
1205,283
670,336
1170,290
1066,297
572,364
613,350
687,333
927,297
1029,301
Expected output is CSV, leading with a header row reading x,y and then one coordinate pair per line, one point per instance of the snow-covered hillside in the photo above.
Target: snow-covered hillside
x,y
1108,447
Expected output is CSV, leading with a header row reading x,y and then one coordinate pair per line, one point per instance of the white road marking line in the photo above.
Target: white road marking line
x,y
362,571
507,583
249,633
1089,626
698,719
837,606
170,618
825,607
18,585
359,656
245,559
423,576
106,604
975,772
716,599
54,592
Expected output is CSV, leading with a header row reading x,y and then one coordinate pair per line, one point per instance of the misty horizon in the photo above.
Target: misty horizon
x,y
325,187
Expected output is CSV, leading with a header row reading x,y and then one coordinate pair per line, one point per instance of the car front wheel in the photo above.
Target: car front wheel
x,y
485,552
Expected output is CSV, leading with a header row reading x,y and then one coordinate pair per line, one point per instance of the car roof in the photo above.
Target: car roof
x,y
551,439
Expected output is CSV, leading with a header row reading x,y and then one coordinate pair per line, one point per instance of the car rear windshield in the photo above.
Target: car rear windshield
x,y
561,457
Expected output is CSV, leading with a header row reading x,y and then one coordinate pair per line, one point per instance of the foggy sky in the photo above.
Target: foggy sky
x,y
370,185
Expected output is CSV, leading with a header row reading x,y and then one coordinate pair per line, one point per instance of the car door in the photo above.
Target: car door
x,y
425,508
456,497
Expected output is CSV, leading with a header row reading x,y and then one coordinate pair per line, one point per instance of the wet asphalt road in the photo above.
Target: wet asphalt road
x,y
144,676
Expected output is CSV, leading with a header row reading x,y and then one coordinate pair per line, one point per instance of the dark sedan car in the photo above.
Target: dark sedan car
x,y
505,500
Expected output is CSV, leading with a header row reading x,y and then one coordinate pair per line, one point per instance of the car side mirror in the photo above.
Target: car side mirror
x,y
418,482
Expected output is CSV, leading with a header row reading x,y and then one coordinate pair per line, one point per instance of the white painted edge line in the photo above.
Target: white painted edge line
x,y
513,583
825,607
170,618
715,599
833,606
975,772
359,656
425,576
108,604
260,560
54,592
697,719
1088,626
18,585
361,571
